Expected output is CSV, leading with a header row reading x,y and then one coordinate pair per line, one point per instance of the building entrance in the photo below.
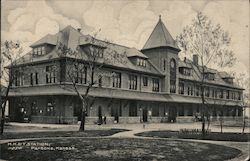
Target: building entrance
x,y
144,115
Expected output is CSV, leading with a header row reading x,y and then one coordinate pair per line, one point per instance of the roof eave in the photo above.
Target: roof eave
x,y
167,46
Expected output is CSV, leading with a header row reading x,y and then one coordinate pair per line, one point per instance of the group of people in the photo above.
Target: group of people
x,y
102,120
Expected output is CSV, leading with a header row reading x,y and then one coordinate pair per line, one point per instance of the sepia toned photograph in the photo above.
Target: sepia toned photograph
x,y
124,80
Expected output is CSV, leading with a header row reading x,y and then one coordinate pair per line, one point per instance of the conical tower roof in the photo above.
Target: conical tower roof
x,y
160,37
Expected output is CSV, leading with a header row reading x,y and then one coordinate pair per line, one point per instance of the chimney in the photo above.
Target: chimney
x,y
195,59
79,29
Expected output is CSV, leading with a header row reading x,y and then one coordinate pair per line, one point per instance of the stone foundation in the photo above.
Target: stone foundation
x,y
157,119
135,119
185,119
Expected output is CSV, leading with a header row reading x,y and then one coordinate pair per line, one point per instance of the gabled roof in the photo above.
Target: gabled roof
x,y
160,37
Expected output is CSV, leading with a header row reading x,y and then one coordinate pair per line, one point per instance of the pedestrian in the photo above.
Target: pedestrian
x,y
104,120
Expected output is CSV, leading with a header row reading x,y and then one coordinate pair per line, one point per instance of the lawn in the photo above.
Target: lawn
x,y
210,136
39,134
122,149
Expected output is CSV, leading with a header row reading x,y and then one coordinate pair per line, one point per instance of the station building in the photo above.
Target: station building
x,y
147,85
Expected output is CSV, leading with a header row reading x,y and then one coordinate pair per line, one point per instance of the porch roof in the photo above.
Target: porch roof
x,y
94,92
57,89
192,99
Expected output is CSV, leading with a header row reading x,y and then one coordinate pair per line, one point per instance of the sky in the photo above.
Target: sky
x,y
125,22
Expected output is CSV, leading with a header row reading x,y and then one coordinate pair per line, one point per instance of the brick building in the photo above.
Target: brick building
x,y
147,85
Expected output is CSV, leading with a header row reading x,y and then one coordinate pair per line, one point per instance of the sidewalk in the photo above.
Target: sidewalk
x,y
31,127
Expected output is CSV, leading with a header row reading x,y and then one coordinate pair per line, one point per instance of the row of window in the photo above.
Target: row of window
x,y
141,62
19,78
49,111
185,71
196,90
39,50
133,82
96,51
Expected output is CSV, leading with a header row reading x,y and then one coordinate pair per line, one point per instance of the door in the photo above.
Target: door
x,y
100,114
144,115
172,114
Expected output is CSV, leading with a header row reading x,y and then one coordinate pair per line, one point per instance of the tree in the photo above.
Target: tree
x,y
88,61
211,44
10,53
243,81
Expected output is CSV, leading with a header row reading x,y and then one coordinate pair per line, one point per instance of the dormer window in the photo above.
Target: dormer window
x,y
209,76
96,51
228,80
185,71
39,50
141,62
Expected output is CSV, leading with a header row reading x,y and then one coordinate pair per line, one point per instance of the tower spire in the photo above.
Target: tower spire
x,y
160,37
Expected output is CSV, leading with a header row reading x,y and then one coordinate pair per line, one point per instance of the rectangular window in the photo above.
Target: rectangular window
x,y
221,93
145,81
35,51
18,78
207,91
84,75
155,85
39,50
116,79
50,111
213,92
133,82
192,90
181,88
80,74
232,95
37,78
43,50
239,96
164,65
50,74
31,79
189,90
197,90
22,79
227,94
172,86
141,62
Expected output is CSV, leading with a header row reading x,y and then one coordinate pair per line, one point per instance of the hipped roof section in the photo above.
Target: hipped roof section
x,y
72,39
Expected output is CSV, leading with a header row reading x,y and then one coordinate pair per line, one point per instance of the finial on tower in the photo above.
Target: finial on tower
x,y
159,17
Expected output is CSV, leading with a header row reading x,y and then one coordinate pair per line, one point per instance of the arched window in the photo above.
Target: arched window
x,y
172,76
